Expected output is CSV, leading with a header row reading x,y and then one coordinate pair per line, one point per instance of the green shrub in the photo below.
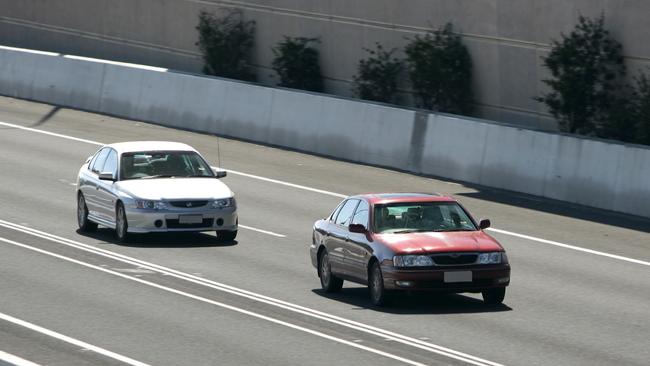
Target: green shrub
x,y
226,43
587,69
297,65
641,103
377,74
618,118
440,70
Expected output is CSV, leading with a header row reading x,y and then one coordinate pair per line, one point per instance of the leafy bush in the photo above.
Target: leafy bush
x,y
618,118
376,77
440,69
296,62
587,66
642,110
226,44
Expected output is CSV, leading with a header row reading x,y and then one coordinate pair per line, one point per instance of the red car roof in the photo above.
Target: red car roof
x,y
382,198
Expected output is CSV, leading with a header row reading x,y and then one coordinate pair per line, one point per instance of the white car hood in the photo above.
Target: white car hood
x,y
175,188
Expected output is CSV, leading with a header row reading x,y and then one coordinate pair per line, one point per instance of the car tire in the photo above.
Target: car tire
x,y
82,215
226,235
121,224
379,296
494,296
328,281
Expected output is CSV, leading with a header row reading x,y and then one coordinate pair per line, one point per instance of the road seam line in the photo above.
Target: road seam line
x,y
409,341
262,231
64,338
15,360
185,294
532,238
562,245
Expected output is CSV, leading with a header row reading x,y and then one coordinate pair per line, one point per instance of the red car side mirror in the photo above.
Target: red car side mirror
x,y
357,228
484,224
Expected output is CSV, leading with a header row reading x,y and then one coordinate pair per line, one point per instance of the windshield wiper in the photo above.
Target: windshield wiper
x,y
454,229
197,176
159,176
411,231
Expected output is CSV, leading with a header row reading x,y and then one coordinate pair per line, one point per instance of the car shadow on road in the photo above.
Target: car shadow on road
x,y
159,240
415,303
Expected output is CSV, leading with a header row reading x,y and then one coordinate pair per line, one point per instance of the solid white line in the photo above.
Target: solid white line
x,y
262,231
334,194
185,294
339,195
409,341
51,133
15,360
580,249
67,339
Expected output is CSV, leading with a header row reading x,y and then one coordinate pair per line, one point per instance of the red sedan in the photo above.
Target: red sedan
x,y
408,241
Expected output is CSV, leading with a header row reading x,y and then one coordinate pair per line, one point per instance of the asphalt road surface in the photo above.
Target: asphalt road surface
x,y
580,290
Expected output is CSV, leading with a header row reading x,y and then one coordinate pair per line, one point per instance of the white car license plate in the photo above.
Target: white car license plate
x,y
458,276
190,219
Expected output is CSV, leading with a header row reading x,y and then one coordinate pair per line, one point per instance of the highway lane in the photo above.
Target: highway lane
x,y
127,309
564,307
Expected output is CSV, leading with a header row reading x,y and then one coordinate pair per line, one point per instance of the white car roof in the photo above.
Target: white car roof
x,y
134,146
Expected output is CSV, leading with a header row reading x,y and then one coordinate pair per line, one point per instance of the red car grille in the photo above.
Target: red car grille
x,y
454,259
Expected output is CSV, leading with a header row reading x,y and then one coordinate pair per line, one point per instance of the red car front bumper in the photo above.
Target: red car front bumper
x,y
482,277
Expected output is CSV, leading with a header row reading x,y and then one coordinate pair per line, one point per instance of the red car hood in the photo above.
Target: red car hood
x,y
457,241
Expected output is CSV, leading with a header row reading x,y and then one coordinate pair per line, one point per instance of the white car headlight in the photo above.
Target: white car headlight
x,y
150,205
224,203
412,261
490,258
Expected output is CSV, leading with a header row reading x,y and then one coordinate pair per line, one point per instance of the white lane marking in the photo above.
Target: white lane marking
x,y
409,341
262,231
51,133
15,360
528,237
339,195
580,249
71,340
539,240
185,294
102,144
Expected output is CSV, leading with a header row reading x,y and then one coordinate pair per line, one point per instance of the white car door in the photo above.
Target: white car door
x,y
105,189
89,181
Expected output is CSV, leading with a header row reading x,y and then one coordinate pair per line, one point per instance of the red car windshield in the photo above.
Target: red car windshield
x,y
408,217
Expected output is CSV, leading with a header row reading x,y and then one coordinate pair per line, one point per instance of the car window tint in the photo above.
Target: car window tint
x,y
421,216
111,163
361,215
92,160
336,211
343,218
100,160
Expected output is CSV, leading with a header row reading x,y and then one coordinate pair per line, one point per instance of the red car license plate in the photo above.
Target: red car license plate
x,y
458,276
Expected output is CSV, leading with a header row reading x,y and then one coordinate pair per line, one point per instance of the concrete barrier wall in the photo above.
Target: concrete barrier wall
x,y
590,172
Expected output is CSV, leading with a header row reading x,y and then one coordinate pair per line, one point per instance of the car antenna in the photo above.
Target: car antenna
x,y
218,152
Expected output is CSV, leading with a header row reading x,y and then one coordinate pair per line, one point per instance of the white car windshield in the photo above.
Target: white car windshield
x,y
163,164
408,217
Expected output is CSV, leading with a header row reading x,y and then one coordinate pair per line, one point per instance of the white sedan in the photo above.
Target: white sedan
x,y
154,186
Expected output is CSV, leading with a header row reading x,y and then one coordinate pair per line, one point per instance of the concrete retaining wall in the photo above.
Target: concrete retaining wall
x,y
590,172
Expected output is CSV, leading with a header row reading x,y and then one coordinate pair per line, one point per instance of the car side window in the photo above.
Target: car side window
x,y
336,211
345,214
93,159
111,163
99,161
361,215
